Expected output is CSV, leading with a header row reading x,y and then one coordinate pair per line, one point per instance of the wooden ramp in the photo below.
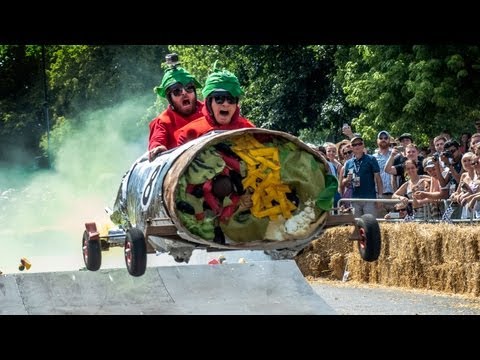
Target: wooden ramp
x,y
270,287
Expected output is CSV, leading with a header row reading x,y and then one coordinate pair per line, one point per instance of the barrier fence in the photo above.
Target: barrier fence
x,y
427,213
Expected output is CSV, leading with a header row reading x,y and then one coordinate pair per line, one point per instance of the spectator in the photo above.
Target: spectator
x,y
363,174
474,140
334,164
345,192
477,125
464,142
436,192
382,155
405,139
396,162
415,183
340,145
347,131
468,185
452,157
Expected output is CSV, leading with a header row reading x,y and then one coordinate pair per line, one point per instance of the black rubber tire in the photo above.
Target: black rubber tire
x,y
370,244
135,252
92,253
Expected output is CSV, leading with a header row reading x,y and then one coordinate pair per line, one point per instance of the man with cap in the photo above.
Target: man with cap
x,y
382,154
179,88
362,174
405,139
222,92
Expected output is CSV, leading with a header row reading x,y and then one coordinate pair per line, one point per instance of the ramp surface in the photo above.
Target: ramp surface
x,y
272,287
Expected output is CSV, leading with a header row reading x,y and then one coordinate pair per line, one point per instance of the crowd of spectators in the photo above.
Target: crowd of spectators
x,y
439,182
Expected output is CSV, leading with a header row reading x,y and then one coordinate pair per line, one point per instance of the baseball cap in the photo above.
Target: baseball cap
x,y
355,137
429,164
405,136
384,132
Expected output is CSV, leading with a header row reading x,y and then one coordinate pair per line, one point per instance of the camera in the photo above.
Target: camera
x,y
172,59
448,154
436,156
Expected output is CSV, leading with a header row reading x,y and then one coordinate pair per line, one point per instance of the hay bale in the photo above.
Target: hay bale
x,y
326,256
441,257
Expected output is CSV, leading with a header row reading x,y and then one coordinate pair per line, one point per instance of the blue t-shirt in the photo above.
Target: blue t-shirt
x,y
365,167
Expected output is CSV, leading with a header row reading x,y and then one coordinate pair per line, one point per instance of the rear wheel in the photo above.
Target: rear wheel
x,y
135,252
370,243
92,252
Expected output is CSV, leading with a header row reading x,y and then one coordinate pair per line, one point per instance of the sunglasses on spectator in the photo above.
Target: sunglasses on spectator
x,y
178,90
220,99
358,144
349,152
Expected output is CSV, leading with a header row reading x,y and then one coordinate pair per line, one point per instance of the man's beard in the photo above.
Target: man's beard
x,y
187,110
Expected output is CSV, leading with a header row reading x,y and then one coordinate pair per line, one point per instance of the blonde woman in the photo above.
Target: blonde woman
x,y
415,183
468,186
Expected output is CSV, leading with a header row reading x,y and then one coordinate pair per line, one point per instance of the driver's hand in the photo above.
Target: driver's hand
x,y
152,154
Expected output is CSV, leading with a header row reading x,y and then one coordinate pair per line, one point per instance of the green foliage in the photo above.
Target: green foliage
x,y
80,78
97,76
308,91
417,89
287,87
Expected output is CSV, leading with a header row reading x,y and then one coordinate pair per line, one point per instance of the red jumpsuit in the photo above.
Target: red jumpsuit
x,y
206,123
163,127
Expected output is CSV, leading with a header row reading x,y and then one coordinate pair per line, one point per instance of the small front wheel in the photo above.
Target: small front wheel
x,y
92,252
135,252
370,243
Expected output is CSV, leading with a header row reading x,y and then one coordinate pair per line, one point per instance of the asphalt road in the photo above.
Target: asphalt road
x,y
350,298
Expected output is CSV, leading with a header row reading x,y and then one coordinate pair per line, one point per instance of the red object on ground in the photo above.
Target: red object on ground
x,y
213,262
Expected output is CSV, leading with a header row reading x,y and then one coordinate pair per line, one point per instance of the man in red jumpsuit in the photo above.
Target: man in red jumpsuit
x,y
179,88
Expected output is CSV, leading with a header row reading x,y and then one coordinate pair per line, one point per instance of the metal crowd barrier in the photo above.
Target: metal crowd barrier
x,y
426,211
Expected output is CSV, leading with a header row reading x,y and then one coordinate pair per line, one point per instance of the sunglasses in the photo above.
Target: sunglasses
x,y
349,152
178,90
358,144
220,99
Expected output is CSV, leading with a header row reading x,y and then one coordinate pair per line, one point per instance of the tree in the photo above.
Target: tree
x,y
287,87
80,79
418,89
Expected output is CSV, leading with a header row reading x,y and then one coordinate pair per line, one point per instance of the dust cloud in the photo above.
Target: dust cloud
x,y
42,212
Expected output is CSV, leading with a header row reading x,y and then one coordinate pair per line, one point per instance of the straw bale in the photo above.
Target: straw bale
x,y
441,257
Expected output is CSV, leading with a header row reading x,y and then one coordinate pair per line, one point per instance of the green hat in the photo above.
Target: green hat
x,y
172,76
222,80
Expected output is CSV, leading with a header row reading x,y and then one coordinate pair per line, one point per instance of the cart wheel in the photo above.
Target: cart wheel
x,y
370,243
92,252
135,252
